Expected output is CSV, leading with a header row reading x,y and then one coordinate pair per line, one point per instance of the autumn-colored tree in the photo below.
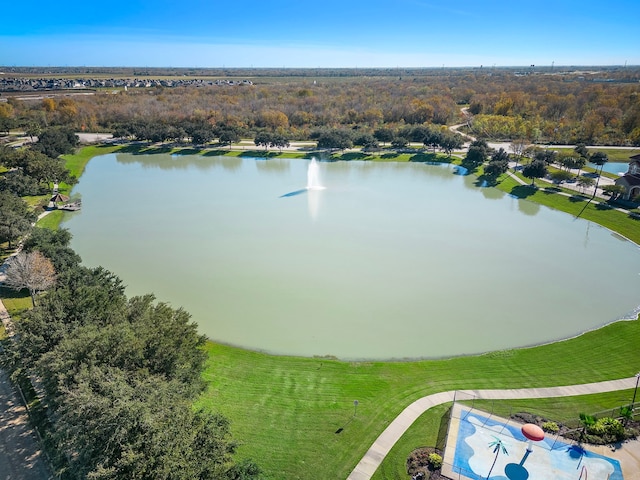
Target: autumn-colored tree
x,y
49,104
32,271
6,110
273,119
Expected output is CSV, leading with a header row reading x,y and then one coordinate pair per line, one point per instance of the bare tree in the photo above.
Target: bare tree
x,y
517,147
32,271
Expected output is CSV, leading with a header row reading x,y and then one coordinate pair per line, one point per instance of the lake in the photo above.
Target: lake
x,y
389,261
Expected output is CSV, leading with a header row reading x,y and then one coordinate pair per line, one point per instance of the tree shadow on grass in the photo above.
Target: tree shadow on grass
x,y
188,151
551,190
486,181
603,206
259,154
215,153
6,292
354,156
133,148
424,157
146,150
390,155
523,191
105,146
578,198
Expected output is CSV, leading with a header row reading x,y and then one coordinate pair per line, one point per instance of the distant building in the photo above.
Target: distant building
x,y
631,180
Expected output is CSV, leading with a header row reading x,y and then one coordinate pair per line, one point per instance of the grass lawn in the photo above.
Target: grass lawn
x,y
52,220
15,302
285,410
77,162
577,205
614,154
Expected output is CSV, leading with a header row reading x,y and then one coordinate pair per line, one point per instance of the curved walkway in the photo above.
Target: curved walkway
x,y
387,439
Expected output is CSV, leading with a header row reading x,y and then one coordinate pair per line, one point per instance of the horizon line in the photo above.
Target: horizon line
x,y
284,67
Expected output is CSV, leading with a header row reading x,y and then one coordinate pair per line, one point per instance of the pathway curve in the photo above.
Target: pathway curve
x,y
387,439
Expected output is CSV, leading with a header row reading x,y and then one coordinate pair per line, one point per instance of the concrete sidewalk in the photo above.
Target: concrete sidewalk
x,y
387,439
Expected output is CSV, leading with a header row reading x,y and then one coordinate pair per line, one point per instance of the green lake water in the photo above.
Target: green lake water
x,y
390,260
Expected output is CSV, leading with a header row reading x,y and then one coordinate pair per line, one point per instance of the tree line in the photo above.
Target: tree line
x,y
600,107
117,378
31,171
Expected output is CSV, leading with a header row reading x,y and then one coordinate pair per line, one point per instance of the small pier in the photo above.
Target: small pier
x,y
70,207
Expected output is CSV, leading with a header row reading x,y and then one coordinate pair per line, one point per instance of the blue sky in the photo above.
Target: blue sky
x,y
331,33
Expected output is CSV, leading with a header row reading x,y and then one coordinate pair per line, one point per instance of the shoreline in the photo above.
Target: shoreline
x,y
625,317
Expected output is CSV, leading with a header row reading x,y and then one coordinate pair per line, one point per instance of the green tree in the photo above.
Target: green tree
x,y
535,169
614,191
384,135
476,156
42,168
450,142
263,139
279,141
571,162
483,145
498,164
560,176
546,156
599,159
626,413
56,141
582,150
15,217
119,377
585,182
53,244
399,142
335,139
6,124
500,155
587,421
228,136
16,182
366,141
495,168
432,138
33,130
114,425
200,132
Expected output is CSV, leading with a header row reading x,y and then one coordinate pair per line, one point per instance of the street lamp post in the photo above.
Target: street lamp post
x,y
633,402
355,406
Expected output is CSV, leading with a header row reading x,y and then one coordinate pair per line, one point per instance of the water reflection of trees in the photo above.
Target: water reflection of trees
x,y
273,165
166,161
528,208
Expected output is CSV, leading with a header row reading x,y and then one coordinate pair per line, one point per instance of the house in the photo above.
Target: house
x,y
631,180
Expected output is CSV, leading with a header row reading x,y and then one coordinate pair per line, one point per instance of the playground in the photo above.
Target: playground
x,y
482,446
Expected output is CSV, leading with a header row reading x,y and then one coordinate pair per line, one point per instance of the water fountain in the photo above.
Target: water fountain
x,y
313,176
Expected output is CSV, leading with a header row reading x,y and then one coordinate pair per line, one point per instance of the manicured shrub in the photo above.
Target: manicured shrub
x,y
550,427
608,428
435,461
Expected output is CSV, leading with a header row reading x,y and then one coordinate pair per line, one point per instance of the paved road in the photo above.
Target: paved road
x,y
20,455
387,439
